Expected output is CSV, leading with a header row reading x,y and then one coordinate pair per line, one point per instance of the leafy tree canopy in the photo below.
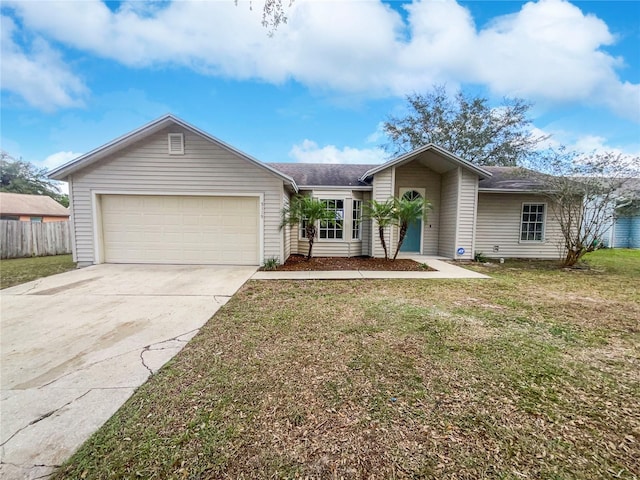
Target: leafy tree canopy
x,y
585,193
466,126
18,176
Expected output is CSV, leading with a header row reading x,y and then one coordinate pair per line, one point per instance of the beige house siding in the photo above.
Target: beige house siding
x,y
498,225
146,167
448,213
468,195
382,191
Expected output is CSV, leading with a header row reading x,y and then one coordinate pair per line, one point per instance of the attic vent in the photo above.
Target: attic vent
x,y
176,144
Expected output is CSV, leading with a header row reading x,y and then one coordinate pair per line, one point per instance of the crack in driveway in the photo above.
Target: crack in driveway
x,y
28,468
145,348
150,347
43,416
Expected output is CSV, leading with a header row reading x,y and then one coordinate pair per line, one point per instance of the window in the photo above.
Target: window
x,y
36,219
356,226
303,228
532,225
333,229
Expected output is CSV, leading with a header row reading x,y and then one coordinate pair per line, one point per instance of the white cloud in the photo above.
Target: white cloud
x,y
586,145
548,51
378,135
39,75
310,152
56,159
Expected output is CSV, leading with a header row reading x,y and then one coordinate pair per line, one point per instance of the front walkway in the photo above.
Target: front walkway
x,y
443,270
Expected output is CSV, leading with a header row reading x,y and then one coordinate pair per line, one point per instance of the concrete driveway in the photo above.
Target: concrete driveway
x,y
75,346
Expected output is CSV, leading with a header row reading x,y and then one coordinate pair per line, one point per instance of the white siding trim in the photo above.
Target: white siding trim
x,y
97,215
282,230
365,188
72,224
475,222
457,214
391,228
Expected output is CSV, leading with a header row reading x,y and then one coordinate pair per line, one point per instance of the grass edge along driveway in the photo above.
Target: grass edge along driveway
x,y
533,374
15,271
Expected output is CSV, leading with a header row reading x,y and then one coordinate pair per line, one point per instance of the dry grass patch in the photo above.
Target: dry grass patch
x,y
392,379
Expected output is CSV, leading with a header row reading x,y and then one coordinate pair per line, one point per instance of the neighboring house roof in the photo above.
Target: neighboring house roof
x,y
34,205
407,157
157,125
515,179
324,174
630,187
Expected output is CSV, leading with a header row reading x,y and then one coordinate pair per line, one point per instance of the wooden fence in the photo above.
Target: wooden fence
x,y
26,239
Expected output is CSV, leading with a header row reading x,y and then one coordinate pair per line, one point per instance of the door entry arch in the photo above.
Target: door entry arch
x,y
413,239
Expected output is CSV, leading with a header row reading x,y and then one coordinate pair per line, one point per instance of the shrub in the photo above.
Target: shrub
x,y
271,263
480,257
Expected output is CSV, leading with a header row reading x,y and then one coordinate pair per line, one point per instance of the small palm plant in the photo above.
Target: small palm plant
x,y
406,212
382,213
307,211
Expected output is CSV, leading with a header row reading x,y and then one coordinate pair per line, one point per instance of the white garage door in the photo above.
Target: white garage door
x,y
180,229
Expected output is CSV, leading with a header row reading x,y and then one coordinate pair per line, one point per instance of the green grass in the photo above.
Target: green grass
x,y
20,270
620,261
532,374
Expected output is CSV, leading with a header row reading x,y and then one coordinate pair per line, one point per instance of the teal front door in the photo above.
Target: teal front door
x,y
414,231
412,239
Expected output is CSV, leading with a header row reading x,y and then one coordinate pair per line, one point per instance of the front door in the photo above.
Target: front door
x,y
412,239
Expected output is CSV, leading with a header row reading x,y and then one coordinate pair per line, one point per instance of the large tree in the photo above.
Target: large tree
x,y
466,126
584,193
18,176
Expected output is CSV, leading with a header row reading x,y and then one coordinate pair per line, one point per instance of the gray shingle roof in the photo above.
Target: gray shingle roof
x,y
512,178
329,174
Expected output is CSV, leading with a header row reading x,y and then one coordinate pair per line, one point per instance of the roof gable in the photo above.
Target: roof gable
x,y
145,131
415,154
23,204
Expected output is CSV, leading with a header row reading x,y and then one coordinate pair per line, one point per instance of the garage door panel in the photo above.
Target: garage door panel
x,y
180,229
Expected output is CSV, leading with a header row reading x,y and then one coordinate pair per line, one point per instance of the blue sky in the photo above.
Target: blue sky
x,y
76,75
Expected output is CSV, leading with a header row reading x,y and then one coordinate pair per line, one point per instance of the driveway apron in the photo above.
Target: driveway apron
x,y
75,346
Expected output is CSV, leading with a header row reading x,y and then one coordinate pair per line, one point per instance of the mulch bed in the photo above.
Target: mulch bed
x,y
300,263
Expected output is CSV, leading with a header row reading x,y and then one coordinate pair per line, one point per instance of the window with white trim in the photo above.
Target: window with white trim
x,y
532,222
356,222
332,229
303,228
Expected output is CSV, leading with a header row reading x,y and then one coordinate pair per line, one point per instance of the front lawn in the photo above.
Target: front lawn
x,y
533,374
15,271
